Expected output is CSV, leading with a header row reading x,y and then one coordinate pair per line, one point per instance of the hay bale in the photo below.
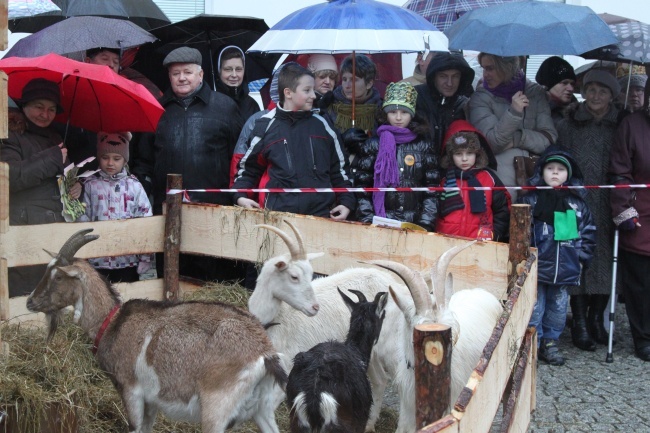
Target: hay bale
x,y
63,378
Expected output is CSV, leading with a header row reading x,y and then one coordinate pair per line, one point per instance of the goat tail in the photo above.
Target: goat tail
x,y
274,368
313,415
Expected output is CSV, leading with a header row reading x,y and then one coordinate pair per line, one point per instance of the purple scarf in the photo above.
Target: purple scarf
x,y
507,90
386,172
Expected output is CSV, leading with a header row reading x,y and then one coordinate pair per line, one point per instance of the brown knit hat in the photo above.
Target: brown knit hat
x,y
113,142
461,141
40,88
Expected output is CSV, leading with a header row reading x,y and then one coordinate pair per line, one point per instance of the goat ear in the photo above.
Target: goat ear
x,y
360,296
53,255
381,299
71,270
348,302
312,256
281,265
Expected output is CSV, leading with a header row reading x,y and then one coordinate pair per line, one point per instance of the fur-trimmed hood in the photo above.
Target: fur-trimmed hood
x,y
484,157
577,113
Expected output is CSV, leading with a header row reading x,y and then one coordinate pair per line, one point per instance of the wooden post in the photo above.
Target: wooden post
x,y
519,241
432,345
174,204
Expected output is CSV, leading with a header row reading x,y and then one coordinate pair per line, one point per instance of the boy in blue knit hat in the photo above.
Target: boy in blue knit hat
x,y
564,233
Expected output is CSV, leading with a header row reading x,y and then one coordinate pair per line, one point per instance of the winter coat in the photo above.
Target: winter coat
x,y
300,150
590,142
116,197
463,222
422,170
197,142
35,160
559,262
630,164
511,134
435,108
247,105
418,77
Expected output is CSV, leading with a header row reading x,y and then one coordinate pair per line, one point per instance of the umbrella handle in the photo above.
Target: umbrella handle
x,y
354,80
612,300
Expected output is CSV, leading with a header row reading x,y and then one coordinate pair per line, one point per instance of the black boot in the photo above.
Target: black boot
x,y
579,333
595,317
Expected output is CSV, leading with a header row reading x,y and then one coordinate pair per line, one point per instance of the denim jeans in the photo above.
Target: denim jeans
x,y
549,314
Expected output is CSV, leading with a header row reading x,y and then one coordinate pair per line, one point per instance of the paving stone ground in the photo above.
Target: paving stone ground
x,y
589,395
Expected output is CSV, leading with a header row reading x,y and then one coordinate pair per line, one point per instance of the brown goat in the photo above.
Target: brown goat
x,y
206,362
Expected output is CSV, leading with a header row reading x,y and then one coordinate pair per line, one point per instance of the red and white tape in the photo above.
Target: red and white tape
x,y
415,189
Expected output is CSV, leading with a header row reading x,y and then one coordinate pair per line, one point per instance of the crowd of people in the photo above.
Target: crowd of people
x,y
327,124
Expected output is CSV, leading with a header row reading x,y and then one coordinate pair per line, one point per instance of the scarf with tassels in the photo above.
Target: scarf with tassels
x,y
364,113
386,170
452,200
507,90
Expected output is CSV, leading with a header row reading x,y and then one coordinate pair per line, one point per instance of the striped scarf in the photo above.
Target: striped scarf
x,y
451,201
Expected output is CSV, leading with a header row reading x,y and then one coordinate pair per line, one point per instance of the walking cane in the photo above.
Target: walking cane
x,y
612,301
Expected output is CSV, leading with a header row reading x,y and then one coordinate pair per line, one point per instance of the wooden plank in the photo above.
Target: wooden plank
x,y
4,198
23,245
4,291
479,401
147,289
520,217
4,34
516,411
446,424
225,231
4,98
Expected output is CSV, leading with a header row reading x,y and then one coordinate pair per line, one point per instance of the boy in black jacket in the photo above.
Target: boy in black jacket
x,y
298,149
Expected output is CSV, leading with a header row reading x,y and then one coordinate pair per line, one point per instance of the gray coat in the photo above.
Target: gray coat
x,y
590,142
510,134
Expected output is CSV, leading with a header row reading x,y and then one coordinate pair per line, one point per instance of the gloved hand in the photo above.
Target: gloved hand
x,y
143,267
353,137
629,224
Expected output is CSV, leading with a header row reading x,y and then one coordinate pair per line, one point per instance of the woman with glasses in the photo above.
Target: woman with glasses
x,y
232,66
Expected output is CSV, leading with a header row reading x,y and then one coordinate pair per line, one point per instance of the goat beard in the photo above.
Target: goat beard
x,y
53,321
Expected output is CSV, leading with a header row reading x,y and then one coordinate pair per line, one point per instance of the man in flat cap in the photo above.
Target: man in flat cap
x,y
195,137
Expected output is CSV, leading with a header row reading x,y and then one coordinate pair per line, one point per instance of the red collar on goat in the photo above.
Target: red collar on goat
x,y
105,324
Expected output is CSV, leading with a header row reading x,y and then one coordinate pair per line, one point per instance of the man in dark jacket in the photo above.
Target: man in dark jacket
x,y
443,98
195,137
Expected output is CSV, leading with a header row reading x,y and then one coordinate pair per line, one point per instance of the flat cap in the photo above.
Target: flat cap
x,y
183,55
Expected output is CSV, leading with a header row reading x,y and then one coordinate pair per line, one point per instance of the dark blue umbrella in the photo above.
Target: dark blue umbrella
x,y
346,26
530,27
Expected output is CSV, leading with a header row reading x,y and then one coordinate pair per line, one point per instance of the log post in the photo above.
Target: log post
x,y
432,345
174,203
4,227
519,241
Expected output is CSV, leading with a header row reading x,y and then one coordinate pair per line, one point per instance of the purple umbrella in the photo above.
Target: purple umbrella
x,y
443,13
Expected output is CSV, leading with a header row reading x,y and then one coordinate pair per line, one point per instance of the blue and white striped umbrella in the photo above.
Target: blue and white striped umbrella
x,y
344,26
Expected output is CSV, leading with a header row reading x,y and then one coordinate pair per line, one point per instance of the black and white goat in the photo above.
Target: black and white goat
x,y
206,362
286,295
328,388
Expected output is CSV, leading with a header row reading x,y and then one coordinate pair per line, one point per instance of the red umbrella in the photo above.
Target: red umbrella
x,y
93,97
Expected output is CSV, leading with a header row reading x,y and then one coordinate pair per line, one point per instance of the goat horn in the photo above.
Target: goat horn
x,y
360,296
439,274
301,244
74,243
293,246
414,281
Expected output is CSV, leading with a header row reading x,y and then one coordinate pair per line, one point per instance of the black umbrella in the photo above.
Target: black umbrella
x,y
81,34
209,34
144,13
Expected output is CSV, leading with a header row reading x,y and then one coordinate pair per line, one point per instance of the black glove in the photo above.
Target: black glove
x,y
353,137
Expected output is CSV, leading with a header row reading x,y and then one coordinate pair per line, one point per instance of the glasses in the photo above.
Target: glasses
x,y
230,70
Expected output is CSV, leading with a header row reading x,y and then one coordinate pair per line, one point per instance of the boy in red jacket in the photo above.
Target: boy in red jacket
x,y
472,213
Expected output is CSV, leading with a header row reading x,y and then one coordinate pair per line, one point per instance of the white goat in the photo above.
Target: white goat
x,y
204,362
472,314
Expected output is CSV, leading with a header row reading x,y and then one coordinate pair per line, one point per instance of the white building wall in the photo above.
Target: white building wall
x,y
178,10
